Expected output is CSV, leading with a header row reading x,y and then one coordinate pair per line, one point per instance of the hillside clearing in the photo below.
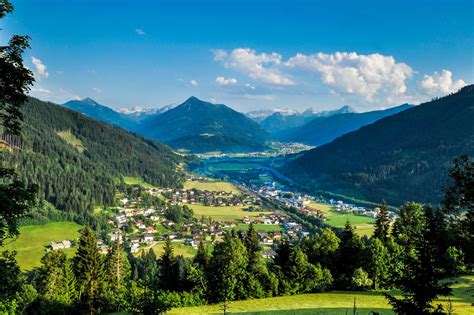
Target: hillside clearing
x,y
33,241
137,181
67,136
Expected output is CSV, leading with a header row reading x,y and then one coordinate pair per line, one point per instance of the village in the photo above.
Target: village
x,y
141,224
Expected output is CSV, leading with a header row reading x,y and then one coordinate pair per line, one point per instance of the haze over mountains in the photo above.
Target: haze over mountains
x,y
402,157
201,126
324,129
280,122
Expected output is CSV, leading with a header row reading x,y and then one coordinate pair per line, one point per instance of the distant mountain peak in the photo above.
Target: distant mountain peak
x,y
194,100
89,101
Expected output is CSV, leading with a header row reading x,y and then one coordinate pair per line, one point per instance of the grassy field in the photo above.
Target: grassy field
x,y
179,249
261,227
137,181
212,186
331,303
72,140
33,240
222,213
363,225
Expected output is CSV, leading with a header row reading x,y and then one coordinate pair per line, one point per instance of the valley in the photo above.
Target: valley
x,y
201,157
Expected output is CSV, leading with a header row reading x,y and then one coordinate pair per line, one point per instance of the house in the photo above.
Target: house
x,y
56,246
135,240
66,243
134,248
148,238
267,241
150,229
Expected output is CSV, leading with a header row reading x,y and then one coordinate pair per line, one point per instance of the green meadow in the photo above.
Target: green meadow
x,y
34,240
228,213
212,186
363,225
332,303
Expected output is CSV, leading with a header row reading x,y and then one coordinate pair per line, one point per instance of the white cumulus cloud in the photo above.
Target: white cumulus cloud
x,y
40,67
262,67
39,90
441,83
96,90
223,81
140,32
351,73
193,82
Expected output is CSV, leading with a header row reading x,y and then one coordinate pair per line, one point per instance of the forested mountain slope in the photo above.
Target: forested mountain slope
x,y
201,126
401,157
77,161
323,130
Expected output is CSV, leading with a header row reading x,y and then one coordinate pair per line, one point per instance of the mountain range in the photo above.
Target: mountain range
x,y
261,114
324,129
402,157
280,123
201,126
194,125
92,109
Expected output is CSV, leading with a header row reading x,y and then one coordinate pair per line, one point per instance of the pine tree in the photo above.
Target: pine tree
x,y
202,256
349,257
51,275
459,199
88,266
382,224
117,274
117,266
167,263
227,273
251,241
69,292
378,266
258,283
421,275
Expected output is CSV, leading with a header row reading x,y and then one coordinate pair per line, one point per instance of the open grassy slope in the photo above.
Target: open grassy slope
x,y
33,241
332,303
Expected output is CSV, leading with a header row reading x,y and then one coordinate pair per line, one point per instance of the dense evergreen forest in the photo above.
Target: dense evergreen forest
x,y
402,157
77,162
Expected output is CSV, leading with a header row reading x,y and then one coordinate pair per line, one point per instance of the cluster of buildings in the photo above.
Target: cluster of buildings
x,y
61,245
212,198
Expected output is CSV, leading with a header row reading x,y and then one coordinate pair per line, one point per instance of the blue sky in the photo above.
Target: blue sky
x,y
247,54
